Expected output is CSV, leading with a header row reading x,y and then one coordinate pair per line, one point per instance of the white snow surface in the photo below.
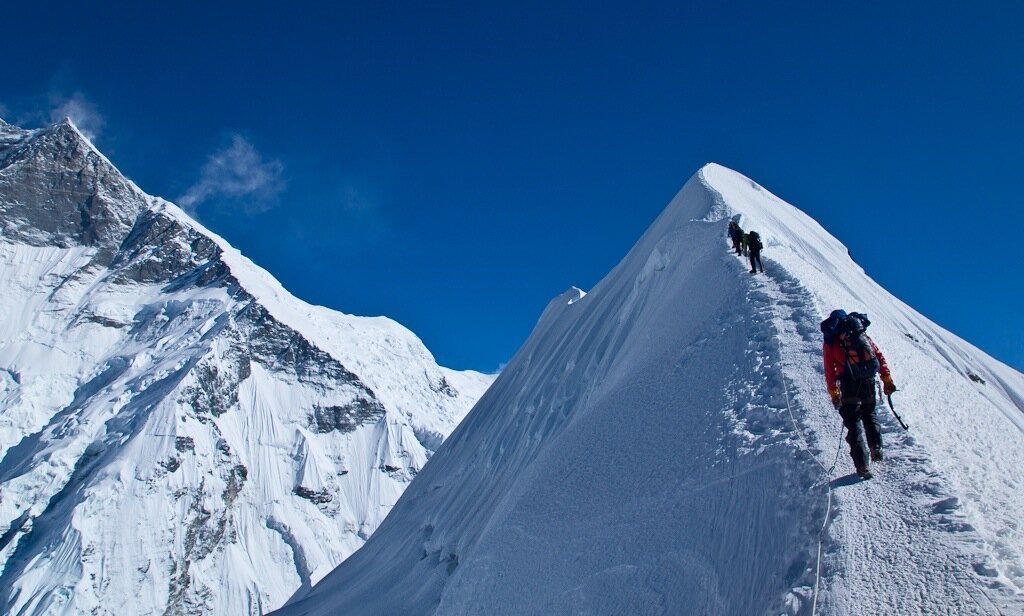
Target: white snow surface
x,y
664,445
178,433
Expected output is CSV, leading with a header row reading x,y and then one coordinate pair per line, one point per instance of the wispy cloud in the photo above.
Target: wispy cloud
x,y
356,207
353,199
238,175
82,112
4,112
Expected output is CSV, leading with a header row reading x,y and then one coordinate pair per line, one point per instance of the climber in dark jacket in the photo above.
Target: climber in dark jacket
x,y
754,246
736,235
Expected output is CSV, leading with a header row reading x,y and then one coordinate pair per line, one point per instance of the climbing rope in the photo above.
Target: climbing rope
x,y
824,523
826,471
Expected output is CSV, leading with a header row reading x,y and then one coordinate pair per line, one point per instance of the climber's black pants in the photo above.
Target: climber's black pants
x,y
858,413
755,260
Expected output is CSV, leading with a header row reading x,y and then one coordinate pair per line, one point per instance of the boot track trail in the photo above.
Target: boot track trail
x,y
896,544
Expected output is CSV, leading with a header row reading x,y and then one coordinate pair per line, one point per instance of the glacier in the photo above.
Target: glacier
x,y
179,434
664,444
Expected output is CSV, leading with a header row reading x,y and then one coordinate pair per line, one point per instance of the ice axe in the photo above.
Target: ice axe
x,y
893,409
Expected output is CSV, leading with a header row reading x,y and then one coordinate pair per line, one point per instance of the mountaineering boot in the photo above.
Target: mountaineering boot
x,y
876,454
864,473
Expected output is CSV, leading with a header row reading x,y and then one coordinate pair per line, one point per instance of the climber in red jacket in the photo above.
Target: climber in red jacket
x,y
851,362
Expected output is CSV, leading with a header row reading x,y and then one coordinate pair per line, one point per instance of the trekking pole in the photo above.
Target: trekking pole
x,y
893,409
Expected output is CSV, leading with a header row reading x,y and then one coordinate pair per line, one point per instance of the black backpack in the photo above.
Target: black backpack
x,y
861,361
754,241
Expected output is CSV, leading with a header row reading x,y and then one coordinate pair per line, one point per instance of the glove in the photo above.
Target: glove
x,y
887,385
837,398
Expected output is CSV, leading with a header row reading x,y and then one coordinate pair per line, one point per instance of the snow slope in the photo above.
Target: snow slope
x,y
664,445
178,434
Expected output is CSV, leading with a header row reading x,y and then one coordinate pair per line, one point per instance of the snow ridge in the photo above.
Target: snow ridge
x,y
659,446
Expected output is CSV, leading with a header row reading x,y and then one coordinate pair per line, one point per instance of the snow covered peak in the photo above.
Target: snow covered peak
x,y
178,433
665,444
778,222
6,129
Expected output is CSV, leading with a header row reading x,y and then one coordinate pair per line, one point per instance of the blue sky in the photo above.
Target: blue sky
x,y
455,165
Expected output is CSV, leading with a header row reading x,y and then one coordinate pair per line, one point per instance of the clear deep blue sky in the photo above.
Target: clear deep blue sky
x,y
455,165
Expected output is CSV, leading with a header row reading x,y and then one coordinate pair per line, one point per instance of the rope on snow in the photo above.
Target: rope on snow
x,y
826,471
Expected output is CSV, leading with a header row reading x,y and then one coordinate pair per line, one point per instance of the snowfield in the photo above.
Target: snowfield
x,y
664,445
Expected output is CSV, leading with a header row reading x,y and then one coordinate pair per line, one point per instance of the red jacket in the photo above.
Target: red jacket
x,y
835,363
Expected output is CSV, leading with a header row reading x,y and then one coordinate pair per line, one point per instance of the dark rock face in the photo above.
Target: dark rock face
x,y
171,464
159,249
236,479
256,337
444,387
207,531
216,389
347,418
56,190
317,497
279,347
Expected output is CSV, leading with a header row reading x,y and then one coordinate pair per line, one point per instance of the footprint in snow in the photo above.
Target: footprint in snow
x,y
946,505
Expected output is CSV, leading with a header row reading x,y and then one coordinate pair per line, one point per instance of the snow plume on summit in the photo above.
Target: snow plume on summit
x,y
179,434
664,445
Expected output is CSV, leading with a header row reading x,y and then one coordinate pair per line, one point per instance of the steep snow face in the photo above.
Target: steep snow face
x,y
179,434
664,445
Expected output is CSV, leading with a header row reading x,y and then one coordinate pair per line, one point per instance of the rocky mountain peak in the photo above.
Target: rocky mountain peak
x,y
58,190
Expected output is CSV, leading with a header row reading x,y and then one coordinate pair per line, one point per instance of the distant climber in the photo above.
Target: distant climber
x,y
744,245
736,235
754,246
851,363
